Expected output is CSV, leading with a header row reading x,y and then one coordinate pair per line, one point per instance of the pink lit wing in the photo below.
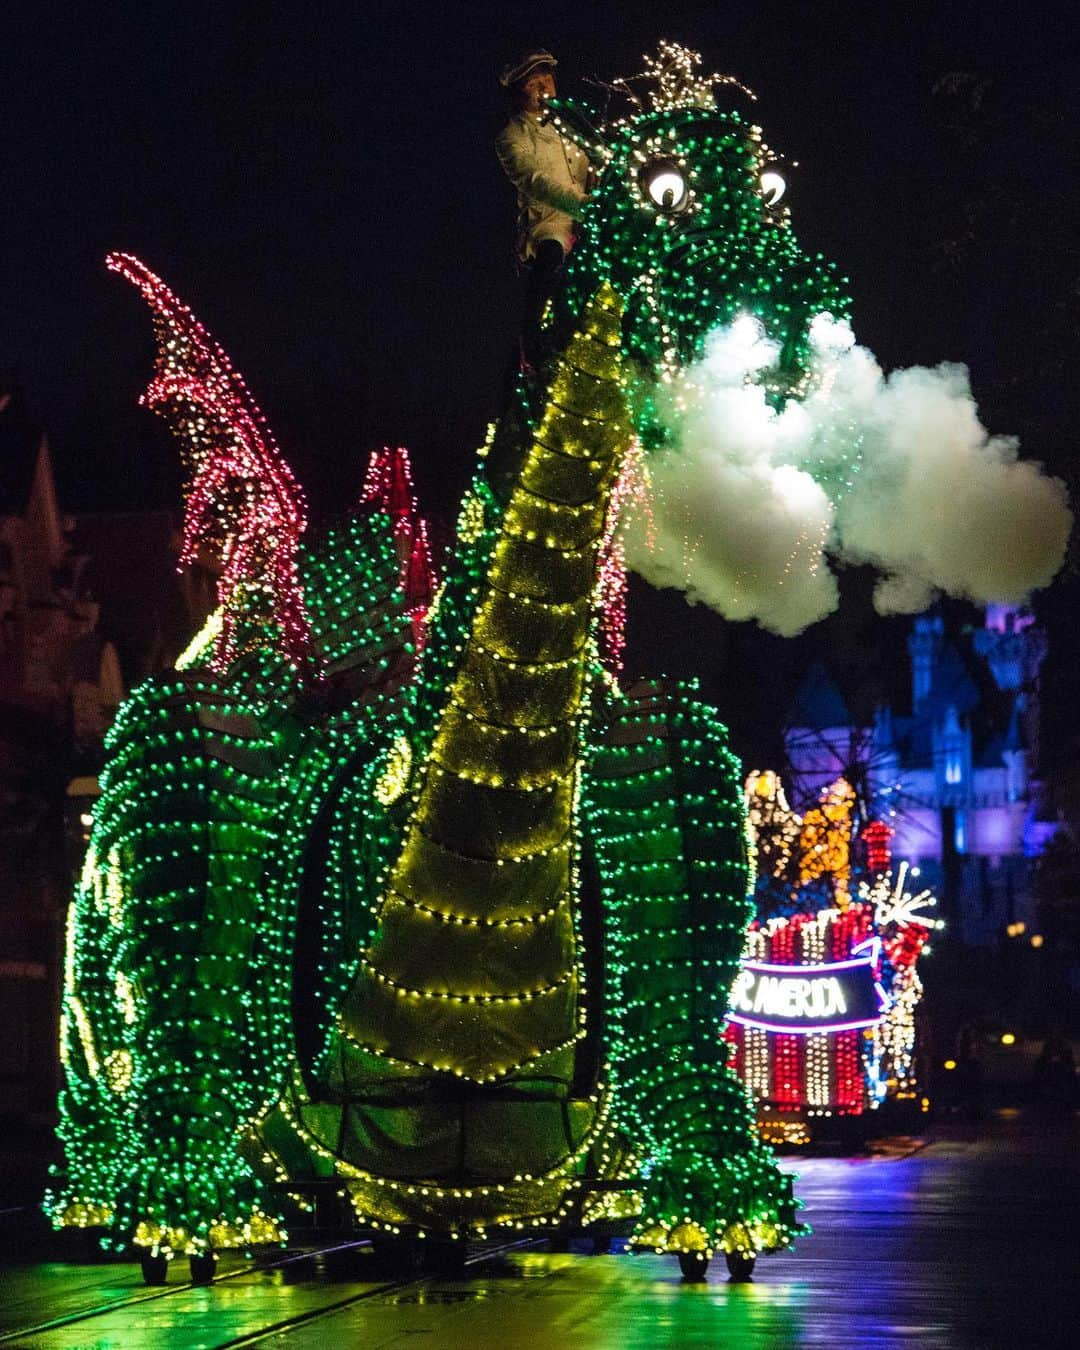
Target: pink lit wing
x,y
388,486
243,503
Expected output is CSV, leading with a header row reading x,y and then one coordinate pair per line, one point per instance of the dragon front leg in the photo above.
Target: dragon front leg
x,y
167,1044
667,829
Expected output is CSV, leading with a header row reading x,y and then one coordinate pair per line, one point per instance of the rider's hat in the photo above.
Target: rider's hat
x,y
525,65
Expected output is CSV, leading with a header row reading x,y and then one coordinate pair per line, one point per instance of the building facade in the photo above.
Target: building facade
x,y
88,606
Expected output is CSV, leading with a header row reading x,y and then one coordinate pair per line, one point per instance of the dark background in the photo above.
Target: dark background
x,y
319,184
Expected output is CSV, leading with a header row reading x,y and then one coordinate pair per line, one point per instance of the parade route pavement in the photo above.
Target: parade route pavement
x,y
965,1242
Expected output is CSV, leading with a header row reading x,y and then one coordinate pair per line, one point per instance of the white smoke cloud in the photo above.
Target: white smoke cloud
x,y
893,470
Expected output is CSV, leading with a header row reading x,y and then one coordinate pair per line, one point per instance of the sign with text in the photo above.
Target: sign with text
x,y
798,1000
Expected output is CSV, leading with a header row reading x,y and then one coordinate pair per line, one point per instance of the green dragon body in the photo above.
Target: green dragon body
x,y
453,931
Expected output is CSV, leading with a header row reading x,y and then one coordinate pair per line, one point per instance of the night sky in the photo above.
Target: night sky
x,y
319,184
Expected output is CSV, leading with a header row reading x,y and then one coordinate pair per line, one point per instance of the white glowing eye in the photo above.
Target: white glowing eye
x,y
667,188
773,187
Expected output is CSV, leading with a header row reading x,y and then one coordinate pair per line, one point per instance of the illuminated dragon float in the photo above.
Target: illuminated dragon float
x,y
419,907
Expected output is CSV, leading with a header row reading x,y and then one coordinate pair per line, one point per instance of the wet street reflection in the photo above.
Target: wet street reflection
x,y
964,1242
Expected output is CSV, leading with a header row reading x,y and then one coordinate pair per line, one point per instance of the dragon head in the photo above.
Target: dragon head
x,y
688,224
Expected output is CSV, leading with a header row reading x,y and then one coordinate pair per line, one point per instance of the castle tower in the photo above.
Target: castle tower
x,y
925,644
1014,647
885,753
952,758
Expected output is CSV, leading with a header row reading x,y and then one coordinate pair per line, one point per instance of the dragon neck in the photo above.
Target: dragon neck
x,y
476,925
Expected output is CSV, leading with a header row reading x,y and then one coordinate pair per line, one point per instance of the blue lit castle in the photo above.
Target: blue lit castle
x,y
954,777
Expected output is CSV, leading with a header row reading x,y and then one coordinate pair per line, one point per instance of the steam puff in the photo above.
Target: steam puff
x,y
730,527
893,471
941,504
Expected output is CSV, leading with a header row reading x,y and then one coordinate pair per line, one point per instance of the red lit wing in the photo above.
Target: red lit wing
x,y
243,503
388,486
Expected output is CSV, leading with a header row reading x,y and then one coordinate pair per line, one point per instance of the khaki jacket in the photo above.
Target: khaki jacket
x,y
550,173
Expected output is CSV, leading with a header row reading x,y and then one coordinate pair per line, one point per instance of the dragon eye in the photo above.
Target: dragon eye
x,y
773,186
665,184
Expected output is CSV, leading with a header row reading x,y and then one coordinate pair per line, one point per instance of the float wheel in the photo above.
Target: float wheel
x,y
693,1266
202,1268
740,1267
155,1268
